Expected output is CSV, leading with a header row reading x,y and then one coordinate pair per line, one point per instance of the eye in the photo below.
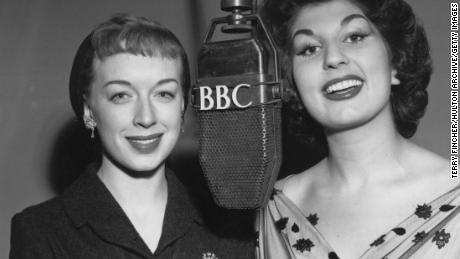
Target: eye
x,y
356,37
119,97
309,50
166,95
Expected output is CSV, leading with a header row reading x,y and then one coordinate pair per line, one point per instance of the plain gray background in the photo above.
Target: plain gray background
x,y
38,42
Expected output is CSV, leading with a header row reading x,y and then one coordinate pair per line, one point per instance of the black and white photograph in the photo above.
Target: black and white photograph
x,y
213,129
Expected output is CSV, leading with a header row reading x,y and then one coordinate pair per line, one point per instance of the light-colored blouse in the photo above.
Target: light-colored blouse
x,y
432,231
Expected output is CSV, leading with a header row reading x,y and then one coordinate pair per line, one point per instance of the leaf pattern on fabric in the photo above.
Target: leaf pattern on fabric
x,y
441,238
378,241
333,255
303,245
423,211
420,231
419,236
281,223
313,219
446,207
399,231
295,228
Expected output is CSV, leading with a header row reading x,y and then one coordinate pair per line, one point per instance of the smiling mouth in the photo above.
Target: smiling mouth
x,y
145,144
343,86
147,141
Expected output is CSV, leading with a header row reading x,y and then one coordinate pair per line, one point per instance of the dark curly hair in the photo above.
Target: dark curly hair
x,y
410,57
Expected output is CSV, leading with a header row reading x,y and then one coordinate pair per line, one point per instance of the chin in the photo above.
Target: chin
x,y
340,128
348,124
146,165
140,166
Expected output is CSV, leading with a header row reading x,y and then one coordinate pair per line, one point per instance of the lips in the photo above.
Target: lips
x,y
343,88
145,144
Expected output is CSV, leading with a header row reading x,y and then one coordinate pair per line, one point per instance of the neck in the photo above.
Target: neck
x,y
370,153
134,193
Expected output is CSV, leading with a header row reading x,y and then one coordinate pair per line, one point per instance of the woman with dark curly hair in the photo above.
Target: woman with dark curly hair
x,y
360,69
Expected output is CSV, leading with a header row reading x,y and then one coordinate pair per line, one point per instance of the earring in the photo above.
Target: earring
x,y
182,128
91,125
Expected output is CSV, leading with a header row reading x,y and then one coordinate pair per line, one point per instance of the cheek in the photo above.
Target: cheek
x,y
173,123
380,77
113,119
307,82
306,72
170,114
377,60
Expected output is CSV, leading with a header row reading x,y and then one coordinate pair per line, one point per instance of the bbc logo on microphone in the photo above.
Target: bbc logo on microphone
x,y
222,98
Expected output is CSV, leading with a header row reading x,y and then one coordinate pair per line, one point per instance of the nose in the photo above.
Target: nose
x,y
145,114
334,58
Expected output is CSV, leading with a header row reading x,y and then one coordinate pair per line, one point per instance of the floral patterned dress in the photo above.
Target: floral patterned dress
x,y
432,231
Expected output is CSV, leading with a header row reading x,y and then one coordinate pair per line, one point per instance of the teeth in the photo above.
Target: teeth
x,y
148,141
343,85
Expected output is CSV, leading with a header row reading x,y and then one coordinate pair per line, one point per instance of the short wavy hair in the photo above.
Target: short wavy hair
x,y
408,46
123,33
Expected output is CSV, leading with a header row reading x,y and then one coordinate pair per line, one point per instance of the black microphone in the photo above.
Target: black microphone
x,y
238,100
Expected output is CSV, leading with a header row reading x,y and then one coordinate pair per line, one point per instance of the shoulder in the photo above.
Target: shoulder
x,y
428,173
31,229
38,215
429,166
422,158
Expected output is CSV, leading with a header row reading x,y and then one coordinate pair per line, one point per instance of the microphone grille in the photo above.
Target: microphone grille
x,y
240,153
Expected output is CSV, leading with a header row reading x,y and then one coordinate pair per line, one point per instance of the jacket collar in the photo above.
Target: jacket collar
x,y
88,201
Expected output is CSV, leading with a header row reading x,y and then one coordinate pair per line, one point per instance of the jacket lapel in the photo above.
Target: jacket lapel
x,y
180,213
88,201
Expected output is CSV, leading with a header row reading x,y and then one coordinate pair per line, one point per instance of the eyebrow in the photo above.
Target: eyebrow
x,y
307,32
117,82
345,21
127,83
351,17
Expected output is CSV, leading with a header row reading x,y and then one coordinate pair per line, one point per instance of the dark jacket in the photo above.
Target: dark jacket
x,y
87,222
